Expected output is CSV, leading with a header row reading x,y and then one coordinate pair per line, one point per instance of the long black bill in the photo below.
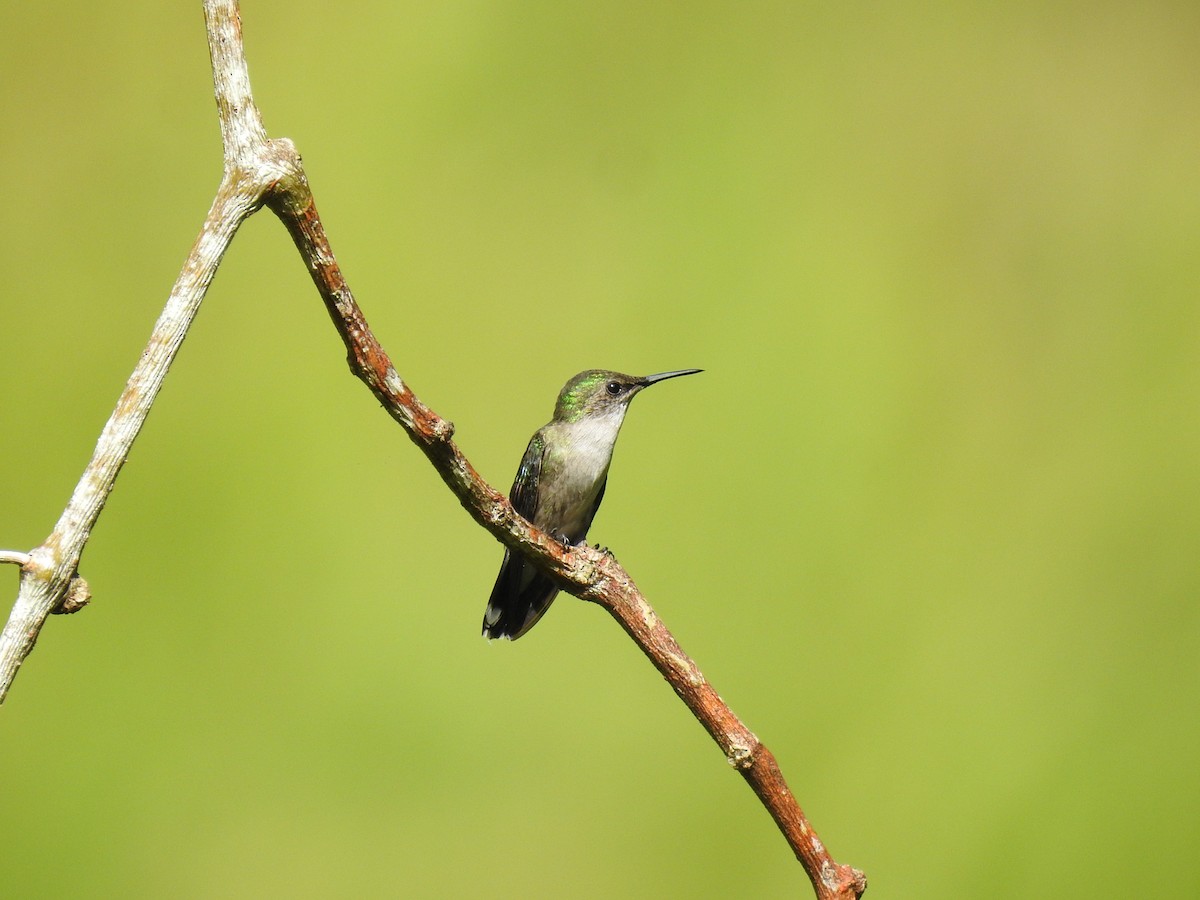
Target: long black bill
x,y
663,376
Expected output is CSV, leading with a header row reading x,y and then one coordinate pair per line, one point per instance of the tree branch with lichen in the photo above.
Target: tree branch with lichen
x,y
258,172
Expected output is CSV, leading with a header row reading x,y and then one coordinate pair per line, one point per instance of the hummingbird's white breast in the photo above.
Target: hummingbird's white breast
x,y
573,471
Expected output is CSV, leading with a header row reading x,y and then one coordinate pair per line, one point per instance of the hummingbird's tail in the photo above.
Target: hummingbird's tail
x,y
520,597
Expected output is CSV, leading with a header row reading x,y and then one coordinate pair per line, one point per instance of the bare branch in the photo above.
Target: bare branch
x,y
250,170
589,574
242,133
260,171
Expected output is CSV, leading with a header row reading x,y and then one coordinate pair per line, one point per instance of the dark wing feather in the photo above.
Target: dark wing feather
x,y
524,492
521,594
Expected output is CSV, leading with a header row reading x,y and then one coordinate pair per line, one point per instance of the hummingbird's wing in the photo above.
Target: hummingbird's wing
x,y
524,491
521,594
596,505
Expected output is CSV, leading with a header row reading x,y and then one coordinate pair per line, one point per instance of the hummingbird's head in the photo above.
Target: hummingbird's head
x,y
600,392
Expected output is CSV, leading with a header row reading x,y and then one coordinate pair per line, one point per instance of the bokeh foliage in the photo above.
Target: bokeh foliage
x,y
928,521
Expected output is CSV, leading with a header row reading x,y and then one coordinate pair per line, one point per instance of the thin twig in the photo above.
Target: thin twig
x,y
250,169
258,171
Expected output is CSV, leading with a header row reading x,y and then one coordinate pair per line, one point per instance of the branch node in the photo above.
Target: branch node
x,y
277,169
500,514
740,756
78,596
441,429
588,569
837,878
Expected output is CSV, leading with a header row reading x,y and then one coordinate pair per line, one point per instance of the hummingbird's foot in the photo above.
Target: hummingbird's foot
x,y
605,551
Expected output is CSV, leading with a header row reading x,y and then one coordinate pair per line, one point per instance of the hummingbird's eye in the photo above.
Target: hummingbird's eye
x,y
615,387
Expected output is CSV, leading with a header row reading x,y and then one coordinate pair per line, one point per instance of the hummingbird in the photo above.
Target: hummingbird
x,y
559,486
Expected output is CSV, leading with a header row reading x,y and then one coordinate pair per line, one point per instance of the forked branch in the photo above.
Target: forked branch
x,y
260,171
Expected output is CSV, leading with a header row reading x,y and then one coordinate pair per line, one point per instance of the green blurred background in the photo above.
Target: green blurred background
x,y
929,521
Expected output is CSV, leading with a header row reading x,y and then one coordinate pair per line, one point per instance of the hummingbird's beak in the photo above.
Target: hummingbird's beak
x,y
663,376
